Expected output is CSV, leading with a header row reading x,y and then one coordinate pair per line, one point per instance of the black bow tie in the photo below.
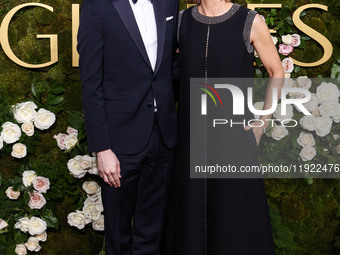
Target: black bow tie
x,y
135,1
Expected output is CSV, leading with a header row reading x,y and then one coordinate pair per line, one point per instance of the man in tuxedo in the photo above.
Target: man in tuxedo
x,y
126,49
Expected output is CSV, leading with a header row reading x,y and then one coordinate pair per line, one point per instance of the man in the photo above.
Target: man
x,y
126,49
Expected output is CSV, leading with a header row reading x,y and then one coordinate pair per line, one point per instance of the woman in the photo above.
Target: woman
x,y
222,216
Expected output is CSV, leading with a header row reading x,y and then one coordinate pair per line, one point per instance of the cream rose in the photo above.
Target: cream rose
x,y
3,224
91,187
288,65
28,128
77,219
71,130
306,139
10,132
22,224
19,150
44,119
41,184
85,162
75,168
1,143
24,112
61,140
307,153
93,210
32,244
296,40
330,108
70,141
323,126
28,177
94,168
327,92
37,200
42,237
308,122
289,112
279,132
20,249
36,226
98,224
287,39
312,104
304,82
337,117
12,194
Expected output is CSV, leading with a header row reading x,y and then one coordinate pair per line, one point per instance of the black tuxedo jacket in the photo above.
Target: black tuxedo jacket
x,y
118,83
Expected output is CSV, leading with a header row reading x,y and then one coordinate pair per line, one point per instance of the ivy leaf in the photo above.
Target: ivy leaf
x,y
273,12
51,220
271,21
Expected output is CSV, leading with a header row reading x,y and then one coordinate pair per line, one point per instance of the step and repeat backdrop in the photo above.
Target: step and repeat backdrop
x,y
50,198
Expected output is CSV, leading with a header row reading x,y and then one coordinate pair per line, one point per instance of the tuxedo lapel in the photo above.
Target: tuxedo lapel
x,y
125,12
159,8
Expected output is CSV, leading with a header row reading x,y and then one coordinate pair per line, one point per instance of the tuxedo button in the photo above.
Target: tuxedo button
x,y
149,105
154,78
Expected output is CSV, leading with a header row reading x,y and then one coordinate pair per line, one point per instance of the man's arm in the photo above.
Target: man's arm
x,y
90,48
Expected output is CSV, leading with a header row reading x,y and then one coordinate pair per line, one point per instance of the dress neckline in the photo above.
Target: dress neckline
x,y
214,20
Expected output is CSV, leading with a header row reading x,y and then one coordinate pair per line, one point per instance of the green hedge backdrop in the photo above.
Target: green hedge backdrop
x,y
305,217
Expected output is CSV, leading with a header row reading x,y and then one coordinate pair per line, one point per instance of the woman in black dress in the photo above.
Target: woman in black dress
x,y
221,216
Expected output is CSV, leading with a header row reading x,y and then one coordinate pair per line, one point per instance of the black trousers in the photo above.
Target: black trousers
x,y
134,213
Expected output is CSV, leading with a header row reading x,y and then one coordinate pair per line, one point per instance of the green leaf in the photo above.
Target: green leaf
x,y
271,21
75,119
287,27
19,237
310,181
289,20
338,60
258,73
284,13
57,90
51,220
302,44
26,198
335,71
273,12
305,37
53,100
304,13
296,69
34,90
102,253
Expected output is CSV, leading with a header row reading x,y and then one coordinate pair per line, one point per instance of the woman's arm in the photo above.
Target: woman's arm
x,y
261,39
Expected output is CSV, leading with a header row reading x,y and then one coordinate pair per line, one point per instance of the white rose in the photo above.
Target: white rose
x,y
44,119
75,168
10,132
20,249
98,224
24,112
275,40
61,140
36,226
279,132
288,65
3,224
258,106
1,143
33,244
327,92
94,168
312,104
287,39
289,112
22,224
91,187
329,108
304,82
12,194
41,184
28,177
305,139
95,197
19,150
71,130
70,141
28,128
336,118
307,153
77,219
85,162
308,122
42,237
93,210
323,126
296,40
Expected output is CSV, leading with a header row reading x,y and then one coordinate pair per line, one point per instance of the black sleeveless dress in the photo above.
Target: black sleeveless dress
x,y
216,216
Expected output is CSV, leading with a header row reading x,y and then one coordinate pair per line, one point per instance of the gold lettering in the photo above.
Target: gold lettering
x,y
322,40
7,48
75,27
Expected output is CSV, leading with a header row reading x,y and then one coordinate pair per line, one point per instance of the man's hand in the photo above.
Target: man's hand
x,y
109,167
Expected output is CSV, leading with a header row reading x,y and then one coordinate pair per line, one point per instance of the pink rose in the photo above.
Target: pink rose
x,y
285,49
41,184
61,140
37,201
288,65
296,40
71,130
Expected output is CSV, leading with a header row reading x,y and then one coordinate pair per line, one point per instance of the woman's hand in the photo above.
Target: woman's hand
x,y
258,130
